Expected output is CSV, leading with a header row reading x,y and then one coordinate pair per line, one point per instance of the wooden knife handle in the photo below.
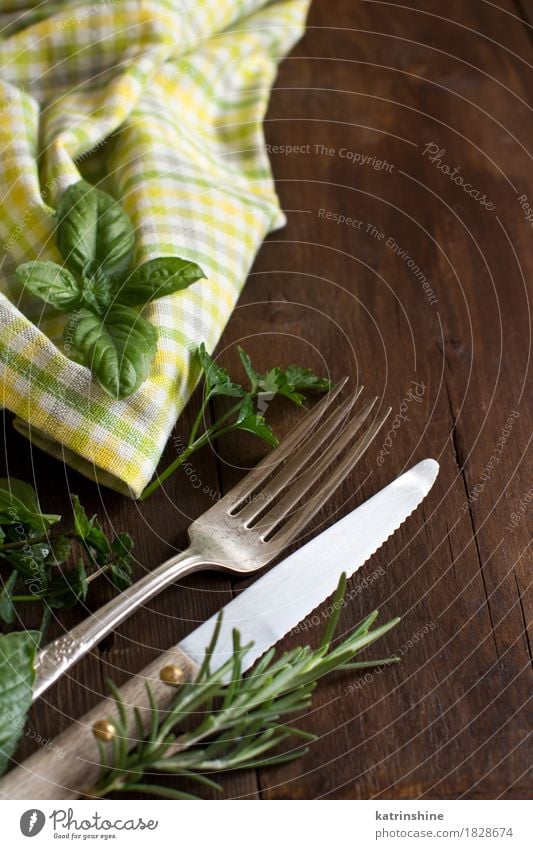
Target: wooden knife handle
x,y
68,765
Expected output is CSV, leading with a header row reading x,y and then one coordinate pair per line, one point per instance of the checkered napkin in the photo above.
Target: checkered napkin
x,y
160,103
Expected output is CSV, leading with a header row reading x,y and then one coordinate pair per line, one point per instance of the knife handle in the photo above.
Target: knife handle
x,y
68,765
61,654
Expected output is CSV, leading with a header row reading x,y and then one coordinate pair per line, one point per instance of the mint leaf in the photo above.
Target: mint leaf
x,y
17,674
52,283
115,237
19,504
30,563
157,279
7,609
97,294
76,228
89,531
120,570
118,348
217,378
65,589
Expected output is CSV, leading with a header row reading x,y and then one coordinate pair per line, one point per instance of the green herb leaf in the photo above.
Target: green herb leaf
x,y
212,726
252,374
157,278
257,425
115,237
17,674
89,531
77,215
67,588
245,414
19,504
304,380
7,608
52,283
97,294
94,232
60,549
118,349
217,379
250,420
31,566
120,569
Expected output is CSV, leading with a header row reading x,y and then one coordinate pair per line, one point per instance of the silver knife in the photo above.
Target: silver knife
x,y
263,613
274,604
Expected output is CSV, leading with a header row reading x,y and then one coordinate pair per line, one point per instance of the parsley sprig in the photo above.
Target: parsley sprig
x,y
246,414
54,567
242,724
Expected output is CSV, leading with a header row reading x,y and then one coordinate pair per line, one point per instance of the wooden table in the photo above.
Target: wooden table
x,y
422,284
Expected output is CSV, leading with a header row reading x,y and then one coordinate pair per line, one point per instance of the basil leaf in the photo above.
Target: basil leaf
x,y
51,282
18,503
7,608
76,229
17,674
115,237
157,279
118,348
97,294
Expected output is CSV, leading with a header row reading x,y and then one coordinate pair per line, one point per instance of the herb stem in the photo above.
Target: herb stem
x,y
45,538
198,419
211,433
26,598
161,478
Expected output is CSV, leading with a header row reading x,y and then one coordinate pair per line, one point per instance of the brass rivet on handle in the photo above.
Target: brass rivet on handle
x,y
104,730
171,674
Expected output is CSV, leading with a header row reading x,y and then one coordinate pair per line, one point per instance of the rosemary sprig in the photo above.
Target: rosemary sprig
x,y
242,722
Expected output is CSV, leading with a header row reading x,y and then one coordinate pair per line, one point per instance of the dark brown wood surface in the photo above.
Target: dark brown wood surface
x,y
383,80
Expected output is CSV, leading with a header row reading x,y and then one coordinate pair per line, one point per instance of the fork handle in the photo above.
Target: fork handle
x,y
61,654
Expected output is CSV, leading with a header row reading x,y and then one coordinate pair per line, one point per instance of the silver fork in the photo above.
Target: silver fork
x,y
247,528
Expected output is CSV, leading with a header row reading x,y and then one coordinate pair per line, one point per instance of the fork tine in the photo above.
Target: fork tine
x,y
233,499
303,516
302,457
308,479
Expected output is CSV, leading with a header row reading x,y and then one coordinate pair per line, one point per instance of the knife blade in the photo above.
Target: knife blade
x,y
263,613
275,603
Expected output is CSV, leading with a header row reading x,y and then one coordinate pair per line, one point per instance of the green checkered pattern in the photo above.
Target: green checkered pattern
x,y
161,103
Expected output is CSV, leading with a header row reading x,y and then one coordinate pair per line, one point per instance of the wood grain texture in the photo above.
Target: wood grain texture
x,y
377,82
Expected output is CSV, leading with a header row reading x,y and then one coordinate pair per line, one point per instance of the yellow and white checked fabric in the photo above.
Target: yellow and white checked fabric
x,y
159,102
